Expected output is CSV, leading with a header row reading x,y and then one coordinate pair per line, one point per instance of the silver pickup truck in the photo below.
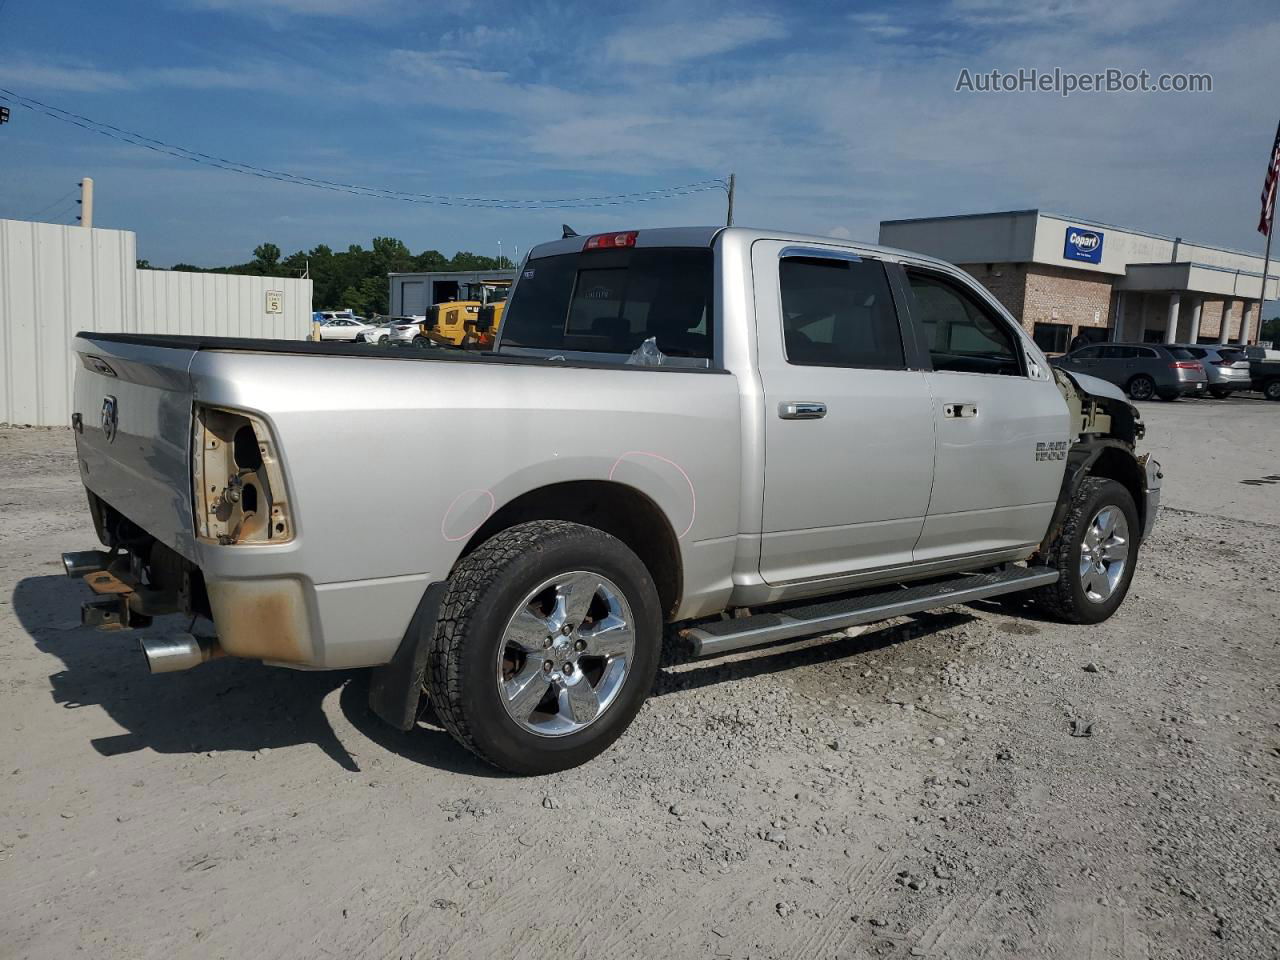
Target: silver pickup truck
x,y
747,435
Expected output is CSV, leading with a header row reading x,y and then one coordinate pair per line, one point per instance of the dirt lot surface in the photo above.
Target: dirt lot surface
x,y
915,790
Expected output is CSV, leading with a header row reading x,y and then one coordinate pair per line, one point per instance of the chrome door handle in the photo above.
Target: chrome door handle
x,y
802,410
960,411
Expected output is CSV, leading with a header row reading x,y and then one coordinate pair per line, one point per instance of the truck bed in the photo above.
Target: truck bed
x,y
366,350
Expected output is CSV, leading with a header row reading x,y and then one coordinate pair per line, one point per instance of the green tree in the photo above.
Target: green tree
x,y
267,257
466,260
355,277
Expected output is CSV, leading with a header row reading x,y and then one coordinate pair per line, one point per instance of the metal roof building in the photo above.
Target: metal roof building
x,y
412,293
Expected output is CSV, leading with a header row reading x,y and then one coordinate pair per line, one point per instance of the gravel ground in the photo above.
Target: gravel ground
x,y
914,790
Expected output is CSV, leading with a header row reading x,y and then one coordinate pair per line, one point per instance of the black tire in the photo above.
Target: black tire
x,y
419,341
1218,393
1271,389
485,590
1168,396
1141,387
1067,600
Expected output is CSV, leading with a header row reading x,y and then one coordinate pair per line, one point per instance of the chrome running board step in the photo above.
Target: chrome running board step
x,y
812,619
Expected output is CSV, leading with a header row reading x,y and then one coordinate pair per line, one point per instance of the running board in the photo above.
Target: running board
x,y
813,619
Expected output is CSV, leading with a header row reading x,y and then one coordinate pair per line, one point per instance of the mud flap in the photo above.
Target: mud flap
x,y
395,687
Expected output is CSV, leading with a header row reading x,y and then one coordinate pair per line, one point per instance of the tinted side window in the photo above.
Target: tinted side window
x,y
1146,353
1180,353
1111,353
1087,353
1198,352
838,313
963,336
611,301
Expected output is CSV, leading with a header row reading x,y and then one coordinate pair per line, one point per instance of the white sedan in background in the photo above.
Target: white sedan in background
x,y
343,328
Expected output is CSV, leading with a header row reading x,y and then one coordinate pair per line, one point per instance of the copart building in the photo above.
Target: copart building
x,y
1062,276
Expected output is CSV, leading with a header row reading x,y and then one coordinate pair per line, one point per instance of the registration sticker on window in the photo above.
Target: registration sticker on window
x,y
528,274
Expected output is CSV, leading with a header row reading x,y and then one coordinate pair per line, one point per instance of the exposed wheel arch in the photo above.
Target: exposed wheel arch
x,y
615,508
1117,463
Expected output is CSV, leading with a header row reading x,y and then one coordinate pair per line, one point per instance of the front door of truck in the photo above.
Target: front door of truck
x,y
1002,426
848,421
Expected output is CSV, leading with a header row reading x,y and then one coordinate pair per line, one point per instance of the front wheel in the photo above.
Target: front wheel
x,y
546,646
1271,390
1094,552
1141,387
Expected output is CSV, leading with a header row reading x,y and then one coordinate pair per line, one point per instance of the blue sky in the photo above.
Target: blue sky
x,y
833,116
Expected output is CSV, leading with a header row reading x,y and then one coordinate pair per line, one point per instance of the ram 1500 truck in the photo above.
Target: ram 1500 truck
x,y
740,436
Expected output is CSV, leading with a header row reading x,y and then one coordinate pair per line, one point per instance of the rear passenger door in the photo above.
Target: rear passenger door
x,y
998,416
848,420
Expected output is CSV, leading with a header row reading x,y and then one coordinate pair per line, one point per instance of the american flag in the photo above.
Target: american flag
x,y
1269,188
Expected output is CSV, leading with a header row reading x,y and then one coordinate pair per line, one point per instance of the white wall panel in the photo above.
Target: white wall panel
x,y
56,281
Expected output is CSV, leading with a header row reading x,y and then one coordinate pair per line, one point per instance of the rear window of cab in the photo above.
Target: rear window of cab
x,y
611,301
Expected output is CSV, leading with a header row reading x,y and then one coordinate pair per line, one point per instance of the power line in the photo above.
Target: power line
x,y
266,173
49,206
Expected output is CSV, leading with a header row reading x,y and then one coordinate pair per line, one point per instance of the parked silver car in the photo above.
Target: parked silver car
x,y
1143,370
1226,367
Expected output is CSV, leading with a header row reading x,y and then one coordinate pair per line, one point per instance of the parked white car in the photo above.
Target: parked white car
x,y
376,333
344,328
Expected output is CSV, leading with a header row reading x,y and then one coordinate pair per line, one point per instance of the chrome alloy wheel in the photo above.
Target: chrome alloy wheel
x,y
566,653
1104,553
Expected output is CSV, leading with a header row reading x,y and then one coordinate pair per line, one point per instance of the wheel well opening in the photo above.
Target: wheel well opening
x,y
614,508
1120,466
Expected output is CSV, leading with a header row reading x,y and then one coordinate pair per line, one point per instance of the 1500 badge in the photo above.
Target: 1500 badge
x,y
1051,450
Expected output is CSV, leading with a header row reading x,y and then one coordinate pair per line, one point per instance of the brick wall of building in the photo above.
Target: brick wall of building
x,y
1062,295
1006,281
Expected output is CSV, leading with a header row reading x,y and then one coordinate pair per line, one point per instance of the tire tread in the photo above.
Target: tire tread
x,y
1059,599
472,576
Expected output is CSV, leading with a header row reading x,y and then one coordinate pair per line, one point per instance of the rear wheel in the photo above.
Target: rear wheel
x,y
1169,396
1271,389
1094,554
1141,387
546,646
1219,393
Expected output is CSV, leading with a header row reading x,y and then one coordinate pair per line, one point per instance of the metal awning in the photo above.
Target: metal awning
x,y
1196,278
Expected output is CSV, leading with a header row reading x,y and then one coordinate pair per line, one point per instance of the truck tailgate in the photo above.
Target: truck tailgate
x,y
134,436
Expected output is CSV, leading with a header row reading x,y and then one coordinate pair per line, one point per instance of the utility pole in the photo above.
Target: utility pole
x,y
86,203
729,219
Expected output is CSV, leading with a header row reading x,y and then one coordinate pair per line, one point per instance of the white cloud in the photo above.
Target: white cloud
x,y
27,75
674,42
321,8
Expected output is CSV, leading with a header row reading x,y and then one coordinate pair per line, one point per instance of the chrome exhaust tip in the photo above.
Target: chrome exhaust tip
x,y
178,651
81,563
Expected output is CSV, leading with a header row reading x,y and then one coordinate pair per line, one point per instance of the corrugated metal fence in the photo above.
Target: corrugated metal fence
x,y
222,305
57,280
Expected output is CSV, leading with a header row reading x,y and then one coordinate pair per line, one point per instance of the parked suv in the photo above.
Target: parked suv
x,y
1226,367
1143,370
